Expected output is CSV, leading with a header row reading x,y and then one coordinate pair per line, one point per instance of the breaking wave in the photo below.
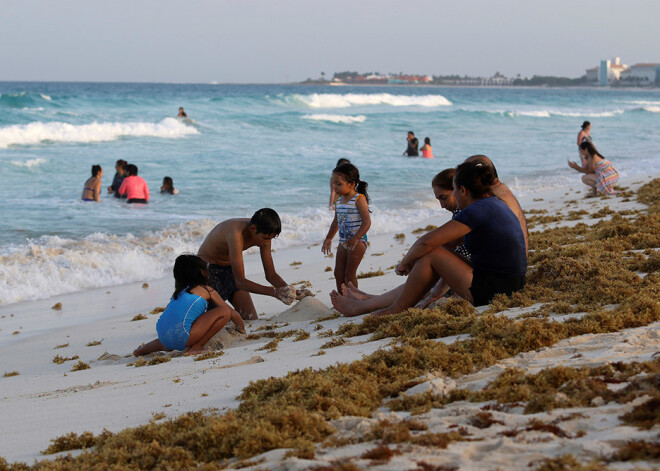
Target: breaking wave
x,y
39,132
336,118
333,100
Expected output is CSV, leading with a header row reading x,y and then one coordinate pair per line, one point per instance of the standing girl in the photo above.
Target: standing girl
x,y
427,150
351,219
187,322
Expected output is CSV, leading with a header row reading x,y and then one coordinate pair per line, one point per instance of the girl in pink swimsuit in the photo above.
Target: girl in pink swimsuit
x,y
427,151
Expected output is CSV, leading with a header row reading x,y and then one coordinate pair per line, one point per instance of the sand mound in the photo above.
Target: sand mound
x,y
226,338
307,309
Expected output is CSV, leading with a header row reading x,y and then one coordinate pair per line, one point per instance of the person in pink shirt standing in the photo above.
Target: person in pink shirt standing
x,y
134,187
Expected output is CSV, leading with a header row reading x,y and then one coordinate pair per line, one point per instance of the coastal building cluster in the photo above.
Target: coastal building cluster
x,y
607,73
613,72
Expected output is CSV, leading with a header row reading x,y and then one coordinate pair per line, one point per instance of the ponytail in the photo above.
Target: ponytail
x,y
476,177
352,175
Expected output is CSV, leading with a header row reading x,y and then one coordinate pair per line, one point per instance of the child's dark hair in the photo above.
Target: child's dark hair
x,y
168,181
427,140
96,169
476,177
352,175
132,170
444,179
267,221
342,161
189,271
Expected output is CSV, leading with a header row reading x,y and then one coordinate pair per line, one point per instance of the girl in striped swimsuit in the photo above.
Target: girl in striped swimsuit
x,y
599,172
351,220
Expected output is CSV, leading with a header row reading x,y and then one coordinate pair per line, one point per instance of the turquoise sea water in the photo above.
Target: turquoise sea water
x,y
250,146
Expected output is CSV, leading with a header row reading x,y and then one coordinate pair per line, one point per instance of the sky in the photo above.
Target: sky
x,y
275,41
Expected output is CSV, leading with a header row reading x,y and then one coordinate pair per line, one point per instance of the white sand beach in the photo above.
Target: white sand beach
x,y
97,327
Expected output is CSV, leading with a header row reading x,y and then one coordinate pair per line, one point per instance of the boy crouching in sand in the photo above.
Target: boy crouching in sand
x,y
223,251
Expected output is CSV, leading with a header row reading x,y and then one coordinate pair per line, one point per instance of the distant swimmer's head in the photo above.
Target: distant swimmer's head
x,y
132,170
427,141
586,125
97,171
189,271
168,182
342,161
266,221
474,178
120,165
443,188
351,175
411,134
181,109
483,160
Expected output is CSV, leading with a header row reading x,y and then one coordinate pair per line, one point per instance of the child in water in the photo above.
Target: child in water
x,y
351,219
168,186
188,321
427,150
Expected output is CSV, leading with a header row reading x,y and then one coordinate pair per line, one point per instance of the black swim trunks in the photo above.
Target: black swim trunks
x,y
222,280
137,200
485,285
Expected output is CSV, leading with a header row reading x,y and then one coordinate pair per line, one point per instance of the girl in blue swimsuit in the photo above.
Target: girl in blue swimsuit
x,y
188,321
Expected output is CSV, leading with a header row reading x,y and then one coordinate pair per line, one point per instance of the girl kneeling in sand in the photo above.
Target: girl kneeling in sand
x,y
187,323
492,235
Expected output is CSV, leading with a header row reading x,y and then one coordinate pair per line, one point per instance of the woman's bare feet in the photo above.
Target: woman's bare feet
x,y
351,292
347,307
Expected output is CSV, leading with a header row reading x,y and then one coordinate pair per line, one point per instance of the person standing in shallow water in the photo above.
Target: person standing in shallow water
x,y
92,188
134,187
583,136
413,145
427,150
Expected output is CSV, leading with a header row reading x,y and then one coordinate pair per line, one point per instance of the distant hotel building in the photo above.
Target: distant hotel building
x,y
609,72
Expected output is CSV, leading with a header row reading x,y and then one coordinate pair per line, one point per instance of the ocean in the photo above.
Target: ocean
x,y
251,146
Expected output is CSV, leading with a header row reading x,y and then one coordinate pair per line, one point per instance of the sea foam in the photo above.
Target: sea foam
x,y
30,163
39,132
52,265
334,100
336,118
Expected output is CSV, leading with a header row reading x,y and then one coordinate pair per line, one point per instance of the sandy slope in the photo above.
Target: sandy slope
x,y
47,400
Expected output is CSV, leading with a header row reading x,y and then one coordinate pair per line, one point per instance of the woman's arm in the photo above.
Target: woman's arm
x,y
444,234
97,190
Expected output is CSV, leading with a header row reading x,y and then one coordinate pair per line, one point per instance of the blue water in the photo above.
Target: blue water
x,y
250,146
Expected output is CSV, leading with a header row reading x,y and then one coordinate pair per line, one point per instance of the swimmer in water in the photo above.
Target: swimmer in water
x,y
182,114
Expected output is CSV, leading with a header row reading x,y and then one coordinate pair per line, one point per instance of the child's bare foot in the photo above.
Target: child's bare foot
x,y
347,307
194,350
351,292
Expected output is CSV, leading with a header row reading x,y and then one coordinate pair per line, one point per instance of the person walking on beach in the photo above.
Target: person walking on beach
x,y
427,150
135,188
333,194
351,220
223,249
120,173
493,237
194,314
413,145
599,173
583,136
92,189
